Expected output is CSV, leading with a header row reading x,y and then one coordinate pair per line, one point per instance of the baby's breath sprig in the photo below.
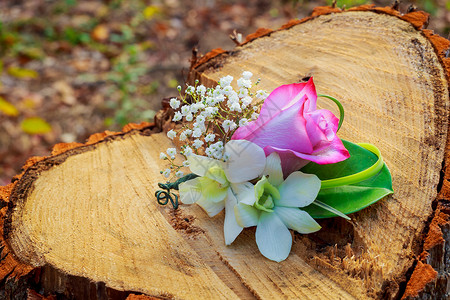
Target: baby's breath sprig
x,y
211,116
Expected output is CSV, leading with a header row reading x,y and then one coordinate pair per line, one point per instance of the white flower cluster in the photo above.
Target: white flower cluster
x,y
210,116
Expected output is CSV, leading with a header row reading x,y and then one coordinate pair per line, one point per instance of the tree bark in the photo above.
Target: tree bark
x,y
84,223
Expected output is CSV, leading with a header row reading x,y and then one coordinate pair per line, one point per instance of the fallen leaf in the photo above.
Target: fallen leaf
x,y
7,108
22,73
100,33
35,125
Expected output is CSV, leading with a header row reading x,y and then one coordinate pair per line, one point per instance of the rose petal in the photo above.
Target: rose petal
x,y
190,191
246,161
246,215
273,237
330,153
297,219
199,165
298,190
273,169
286,131
245,192
231,228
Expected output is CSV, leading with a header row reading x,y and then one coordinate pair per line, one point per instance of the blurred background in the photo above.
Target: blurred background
x,y
70,68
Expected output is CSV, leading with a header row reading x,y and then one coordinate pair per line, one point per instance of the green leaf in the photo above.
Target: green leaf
x,y
352,197
7,108
35,125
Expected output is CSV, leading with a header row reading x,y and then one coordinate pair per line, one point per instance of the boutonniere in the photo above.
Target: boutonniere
x,y
273,161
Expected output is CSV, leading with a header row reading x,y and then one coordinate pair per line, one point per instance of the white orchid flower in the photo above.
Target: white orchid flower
x,y
275,209
222,184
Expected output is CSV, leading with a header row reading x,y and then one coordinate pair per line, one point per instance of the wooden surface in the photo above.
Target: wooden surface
x,y
90,212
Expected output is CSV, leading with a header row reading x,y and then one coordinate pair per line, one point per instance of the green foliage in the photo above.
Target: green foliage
x,y
124,77
352,197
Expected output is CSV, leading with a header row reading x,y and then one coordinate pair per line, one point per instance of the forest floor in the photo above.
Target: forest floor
x,y
71,68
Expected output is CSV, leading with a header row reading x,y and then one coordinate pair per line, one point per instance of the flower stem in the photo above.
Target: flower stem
x,y
360,176
341,109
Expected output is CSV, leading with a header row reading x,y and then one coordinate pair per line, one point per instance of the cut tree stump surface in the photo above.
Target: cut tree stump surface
x,y
88,214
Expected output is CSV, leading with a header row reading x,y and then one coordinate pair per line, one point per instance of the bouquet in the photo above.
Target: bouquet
x,y
273,161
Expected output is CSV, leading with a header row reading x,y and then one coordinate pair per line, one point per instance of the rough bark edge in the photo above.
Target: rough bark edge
x,y
16,276
418,19
418,282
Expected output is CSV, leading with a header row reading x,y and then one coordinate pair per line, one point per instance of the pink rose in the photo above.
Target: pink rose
x,y
291,125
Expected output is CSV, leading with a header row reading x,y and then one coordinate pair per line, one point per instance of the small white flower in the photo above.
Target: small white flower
x,y
185,110
246,101
243,122
187,151
218,154
188,132
255,116
233,97
261,94
209,111
219,99
197,132
174,103
201,90
209,152
162,155
210,101
179,174
235,107
171,134
171,152
200,119
225,81
183,136
177,116
197,143
227,90
244,83
190,90
189,117
210,137
243,93
217,92
247,75
166,173
228,124
186,163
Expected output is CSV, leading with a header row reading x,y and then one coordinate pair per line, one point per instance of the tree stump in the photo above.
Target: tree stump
x,y
83,223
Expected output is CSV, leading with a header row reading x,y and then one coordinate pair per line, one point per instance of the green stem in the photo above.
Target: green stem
x,y
360,176
341,108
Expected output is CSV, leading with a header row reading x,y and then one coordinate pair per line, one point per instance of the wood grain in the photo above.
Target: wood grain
x,y
395,93
90,211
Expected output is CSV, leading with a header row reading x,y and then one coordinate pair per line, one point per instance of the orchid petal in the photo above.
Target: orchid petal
x,y
245,192
273,169
190,191
298,190
217,174
231,228
246,215
246,161
273,237
297,219
212,190
199,165
211,208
